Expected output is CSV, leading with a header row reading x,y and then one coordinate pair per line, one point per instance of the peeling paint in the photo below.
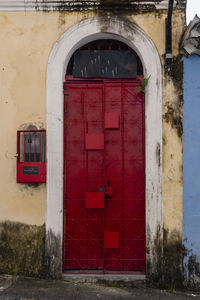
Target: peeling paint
x,y
191,38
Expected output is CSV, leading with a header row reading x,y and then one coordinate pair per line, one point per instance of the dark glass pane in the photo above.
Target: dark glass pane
x,y
31,141
105,64
32,146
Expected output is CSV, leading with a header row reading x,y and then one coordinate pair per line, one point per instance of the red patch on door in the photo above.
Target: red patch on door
x,y
111,240
111,120
94,200
94,141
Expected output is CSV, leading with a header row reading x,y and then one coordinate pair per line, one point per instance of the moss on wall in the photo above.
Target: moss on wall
x,y
165,270
22,249
172,271
154,260
174,117
174,112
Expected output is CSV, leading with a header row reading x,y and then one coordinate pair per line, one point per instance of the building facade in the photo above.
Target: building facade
x,y
43,45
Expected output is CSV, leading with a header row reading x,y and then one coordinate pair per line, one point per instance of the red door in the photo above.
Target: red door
x,y
104,176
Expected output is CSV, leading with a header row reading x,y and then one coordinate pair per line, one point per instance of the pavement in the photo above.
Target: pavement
x,y
20,288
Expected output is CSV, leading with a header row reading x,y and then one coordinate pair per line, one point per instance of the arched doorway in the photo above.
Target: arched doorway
x,y
104,160
79,35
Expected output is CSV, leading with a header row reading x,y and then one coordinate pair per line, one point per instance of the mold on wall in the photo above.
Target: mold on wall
x,y
172,270
173,116
28,251
191,171
93,5
173,132
22,249
53,255
166,271
174,110
154,265
77,5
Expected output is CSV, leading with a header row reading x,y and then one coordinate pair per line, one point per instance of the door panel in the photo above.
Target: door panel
x,y
110,238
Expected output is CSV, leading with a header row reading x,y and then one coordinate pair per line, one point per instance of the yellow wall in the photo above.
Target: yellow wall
x,y
26,40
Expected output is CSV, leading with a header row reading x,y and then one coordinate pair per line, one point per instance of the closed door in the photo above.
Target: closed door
x,y
104,176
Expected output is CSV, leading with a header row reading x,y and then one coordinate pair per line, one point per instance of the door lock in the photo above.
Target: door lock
x,y
108,191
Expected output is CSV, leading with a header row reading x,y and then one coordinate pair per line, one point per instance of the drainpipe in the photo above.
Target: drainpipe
x,y
168,30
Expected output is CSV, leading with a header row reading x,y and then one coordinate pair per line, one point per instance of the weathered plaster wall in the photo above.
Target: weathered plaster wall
x,y
22,249
191,171
77,5
26,42
171,270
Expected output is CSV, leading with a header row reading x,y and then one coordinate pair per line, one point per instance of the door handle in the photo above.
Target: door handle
x,y
108,191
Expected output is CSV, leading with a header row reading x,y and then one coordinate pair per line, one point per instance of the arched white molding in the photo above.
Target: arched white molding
x,y
78,35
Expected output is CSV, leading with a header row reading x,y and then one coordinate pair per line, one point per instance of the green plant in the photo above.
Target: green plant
x,y
144,81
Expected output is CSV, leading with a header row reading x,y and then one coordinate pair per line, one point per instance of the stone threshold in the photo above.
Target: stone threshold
x,y
105,278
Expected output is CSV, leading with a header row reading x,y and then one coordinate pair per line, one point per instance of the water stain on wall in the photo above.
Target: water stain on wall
x,y
117,5
174,113
22,249
172,260
32,126
174,117
165,269
53,258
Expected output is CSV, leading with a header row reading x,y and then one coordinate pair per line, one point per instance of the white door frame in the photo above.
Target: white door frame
x,y
75,37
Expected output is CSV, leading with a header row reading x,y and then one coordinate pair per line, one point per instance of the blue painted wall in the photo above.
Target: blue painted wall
x,y
191,168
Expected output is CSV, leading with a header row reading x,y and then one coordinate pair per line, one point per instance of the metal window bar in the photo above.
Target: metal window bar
x,y
43,143
32,145
40,146
29,146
